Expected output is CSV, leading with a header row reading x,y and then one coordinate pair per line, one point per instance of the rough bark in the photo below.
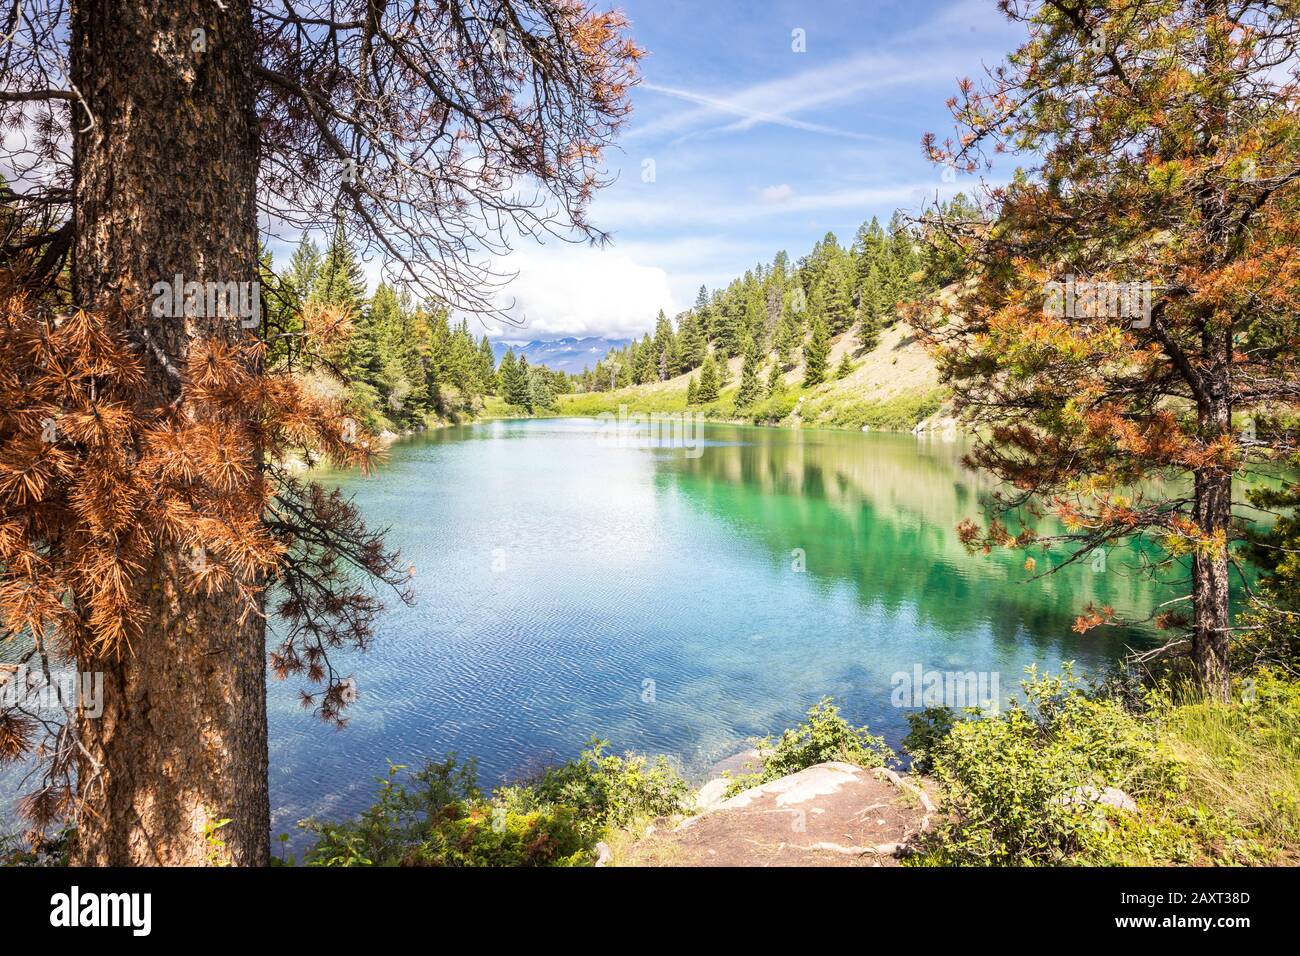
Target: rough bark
x,y
165,185
1210,587
1213,515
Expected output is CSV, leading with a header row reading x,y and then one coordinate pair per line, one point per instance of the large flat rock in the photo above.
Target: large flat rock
x,y
831,814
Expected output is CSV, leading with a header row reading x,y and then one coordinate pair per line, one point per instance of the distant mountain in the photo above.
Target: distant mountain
x,y
563,355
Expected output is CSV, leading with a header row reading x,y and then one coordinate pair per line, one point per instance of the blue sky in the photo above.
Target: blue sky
x,y
739,146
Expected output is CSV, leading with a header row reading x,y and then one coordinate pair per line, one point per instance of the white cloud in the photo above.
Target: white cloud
x,y
781,193
582,290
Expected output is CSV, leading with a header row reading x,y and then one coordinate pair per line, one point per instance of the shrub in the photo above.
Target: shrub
x,y
437,816
1007,778
607,791
773,409
927,729
824,736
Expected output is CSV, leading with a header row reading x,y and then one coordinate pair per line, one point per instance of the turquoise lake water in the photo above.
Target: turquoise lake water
x,y
569,586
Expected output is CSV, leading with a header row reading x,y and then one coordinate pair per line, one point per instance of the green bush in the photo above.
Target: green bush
x,y
824,736
927,729
774,409
607,791
437,816
1006,778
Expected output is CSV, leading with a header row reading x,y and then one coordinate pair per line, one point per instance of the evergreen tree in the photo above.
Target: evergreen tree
x,y
340,280
710,382
541,388
751,388
874,296
869,249
645,364
692,391
775,380
816,352
666,362
944,259
690,335
727,314
340,283
512,379
789,330
486,365
754,319
381,351
304,267
835,293
520,395
868,328
703,318
845,367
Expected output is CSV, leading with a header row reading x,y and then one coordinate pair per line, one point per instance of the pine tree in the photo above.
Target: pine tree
x,y
541,388
816,352
709,381
702,307
869,249
517,392
340,280
690,335
727,315
666,361
645,362
340,284
304,267
692,391
775,380
873,297
823,253
845,367
1160,158
835,293
378,351
789,330
754,320
750,388
868,328
512,381
486,366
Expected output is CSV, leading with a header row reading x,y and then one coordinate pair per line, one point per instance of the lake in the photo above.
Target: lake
x,y
670,600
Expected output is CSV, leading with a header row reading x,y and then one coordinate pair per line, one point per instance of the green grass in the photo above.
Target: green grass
x,y
636,398
834,405
1243,760
494,407
843,409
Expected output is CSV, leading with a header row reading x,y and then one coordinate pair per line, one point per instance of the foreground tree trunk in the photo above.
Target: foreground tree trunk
x,y
1210,587
1212,512
165,170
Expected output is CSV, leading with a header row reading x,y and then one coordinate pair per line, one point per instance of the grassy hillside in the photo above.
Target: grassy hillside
x,y
893,386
